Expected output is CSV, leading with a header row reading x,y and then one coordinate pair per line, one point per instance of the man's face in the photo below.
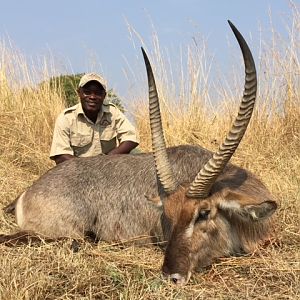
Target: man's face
x,y
91,96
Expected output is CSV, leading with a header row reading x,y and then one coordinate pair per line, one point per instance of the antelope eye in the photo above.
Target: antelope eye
x,y
203,215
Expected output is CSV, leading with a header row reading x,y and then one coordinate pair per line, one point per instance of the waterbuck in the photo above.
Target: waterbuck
x,y
218,211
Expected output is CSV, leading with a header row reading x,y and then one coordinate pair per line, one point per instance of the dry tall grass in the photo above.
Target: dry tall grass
x,y
271,149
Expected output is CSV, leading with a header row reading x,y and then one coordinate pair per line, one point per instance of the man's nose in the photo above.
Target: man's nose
x,y
93,95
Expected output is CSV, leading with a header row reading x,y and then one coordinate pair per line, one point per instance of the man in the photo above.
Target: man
x,y
92,127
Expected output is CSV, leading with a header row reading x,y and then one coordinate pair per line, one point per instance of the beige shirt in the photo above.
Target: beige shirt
x,y
75,134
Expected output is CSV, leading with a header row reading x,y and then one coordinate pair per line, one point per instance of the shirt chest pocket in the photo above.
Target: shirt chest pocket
x,y
80,143
108,139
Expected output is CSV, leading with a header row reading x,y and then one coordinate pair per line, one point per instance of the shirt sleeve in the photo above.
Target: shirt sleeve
x,y
61,137
125,130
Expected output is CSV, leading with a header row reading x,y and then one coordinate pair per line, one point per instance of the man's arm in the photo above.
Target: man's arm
x,y
124,148
126,135
61,149
63,157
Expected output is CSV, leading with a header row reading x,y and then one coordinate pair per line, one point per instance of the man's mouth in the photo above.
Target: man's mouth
x,y
92,104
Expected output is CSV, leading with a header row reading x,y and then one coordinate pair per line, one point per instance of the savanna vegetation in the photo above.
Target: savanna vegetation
x,y
270,149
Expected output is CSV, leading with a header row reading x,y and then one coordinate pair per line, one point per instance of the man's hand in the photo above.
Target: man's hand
x,y
123,148
63,157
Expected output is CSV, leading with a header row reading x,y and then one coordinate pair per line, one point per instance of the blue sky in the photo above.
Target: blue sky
x,y
77,32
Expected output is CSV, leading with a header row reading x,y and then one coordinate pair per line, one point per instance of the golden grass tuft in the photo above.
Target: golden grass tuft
x,y
270,149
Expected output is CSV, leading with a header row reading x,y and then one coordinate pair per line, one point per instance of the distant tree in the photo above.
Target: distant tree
x,y
113,98
69,84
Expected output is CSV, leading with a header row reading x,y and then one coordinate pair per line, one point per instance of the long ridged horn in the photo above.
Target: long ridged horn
x,y
163,166
204,180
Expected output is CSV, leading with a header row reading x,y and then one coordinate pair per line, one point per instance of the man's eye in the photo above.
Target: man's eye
x,y
87,92
96,93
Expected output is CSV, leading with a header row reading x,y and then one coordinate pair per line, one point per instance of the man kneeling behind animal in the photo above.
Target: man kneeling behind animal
x,y
93,126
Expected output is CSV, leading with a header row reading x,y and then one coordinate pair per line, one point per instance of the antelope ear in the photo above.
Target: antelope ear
x,y
155,200
245,206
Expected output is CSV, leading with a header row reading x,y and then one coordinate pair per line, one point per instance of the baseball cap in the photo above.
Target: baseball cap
x,y
92,77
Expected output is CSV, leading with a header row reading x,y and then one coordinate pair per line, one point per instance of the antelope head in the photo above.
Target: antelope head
x,y
223,211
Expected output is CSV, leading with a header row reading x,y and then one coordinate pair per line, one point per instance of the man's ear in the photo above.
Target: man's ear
x,y
246,206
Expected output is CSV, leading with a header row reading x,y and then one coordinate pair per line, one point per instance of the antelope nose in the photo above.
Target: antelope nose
x,y
177,279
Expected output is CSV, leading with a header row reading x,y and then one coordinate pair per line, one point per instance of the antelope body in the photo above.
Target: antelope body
x,y
104,195
218,211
